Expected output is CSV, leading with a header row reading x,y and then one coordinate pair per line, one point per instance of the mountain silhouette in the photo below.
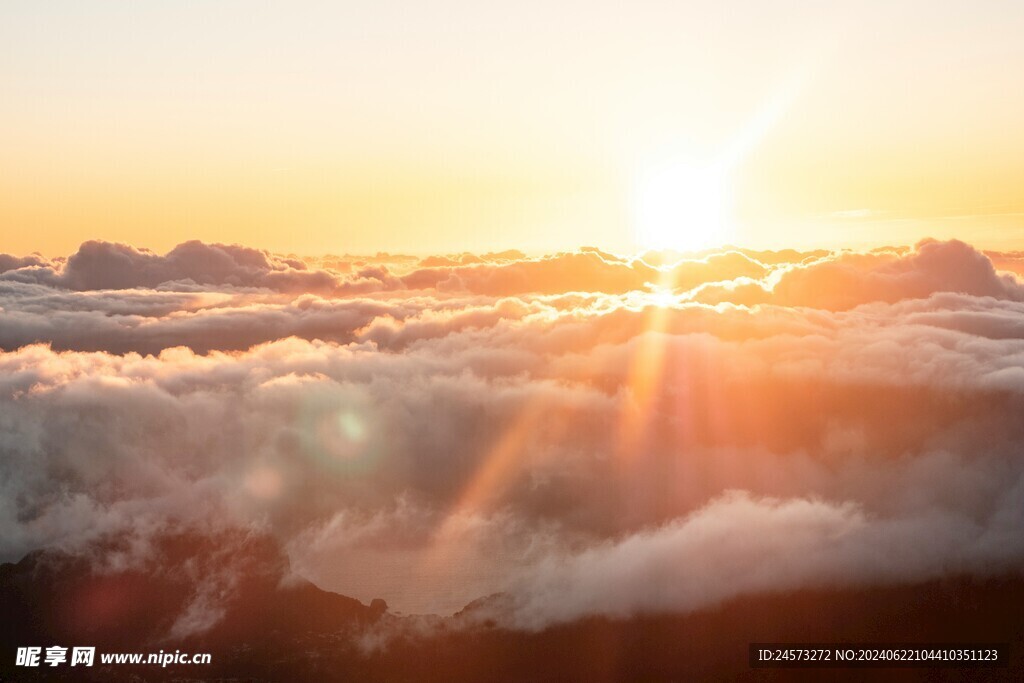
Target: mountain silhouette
x,y
232,595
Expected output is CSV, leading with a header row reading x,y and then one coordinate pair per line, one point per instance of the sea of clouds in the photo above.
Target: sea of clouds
x,y
586,433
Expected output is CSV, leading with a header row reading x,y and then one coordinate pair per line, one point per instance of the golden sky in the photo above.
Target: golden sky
x,y
455,125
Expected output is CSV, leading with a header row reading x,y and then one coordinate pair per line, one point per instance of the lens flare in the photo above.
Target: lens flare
x,y
340,432
264,483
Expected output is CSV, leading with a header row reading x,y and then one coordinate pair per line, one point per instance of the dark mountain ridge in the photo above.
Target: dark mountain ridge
x,y
232,595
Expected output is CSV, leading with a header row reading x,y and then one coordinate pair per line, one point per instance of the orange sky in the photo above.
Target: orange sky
x,y
345,127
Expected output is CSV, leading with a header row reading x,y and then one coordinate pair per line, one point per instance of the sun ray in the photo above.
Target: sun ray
x,y
496,469
643,377
687,203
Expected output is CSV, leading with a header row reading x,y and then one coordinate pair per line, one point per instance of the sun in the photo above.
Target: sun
x,y
682,206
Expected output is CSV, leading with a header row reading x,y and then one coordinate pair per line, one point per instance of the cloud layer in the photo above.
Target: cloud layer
x,y
587,433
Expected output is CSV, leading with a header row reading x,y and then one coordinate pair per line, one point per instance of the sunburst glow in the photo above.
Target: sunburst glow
x,y
682,205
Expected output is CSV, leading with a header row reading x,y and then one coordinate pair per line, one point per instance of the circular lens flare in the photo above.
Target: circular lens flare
x,y
264,483
340,431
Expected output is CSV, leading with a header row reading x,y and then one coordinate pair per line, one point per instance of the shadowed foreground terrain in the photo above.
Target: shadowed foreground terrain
x,y
278,628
